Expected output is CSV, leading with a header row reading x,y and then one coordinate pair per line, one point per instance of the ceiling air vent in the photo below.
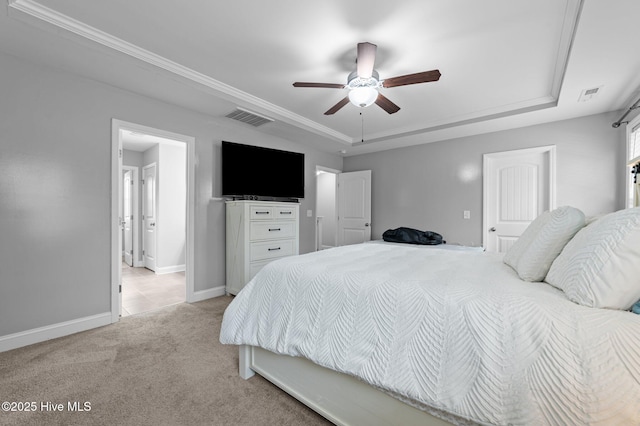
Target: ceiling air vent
x,y
248,117
588,94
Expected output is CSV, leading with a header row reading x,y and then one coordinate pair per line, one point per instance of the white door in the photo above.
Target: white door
x,y
127,217
518,186
149,216
354,207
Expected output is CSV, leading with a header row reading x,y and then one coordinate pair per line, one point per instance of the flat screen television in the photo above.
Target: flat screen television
x,y
261,173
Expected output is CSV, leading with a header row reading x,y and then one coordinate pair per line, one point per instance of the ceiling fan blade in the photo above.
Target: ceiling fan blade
x,y
419,77
337,106
322,85
384,103
366,59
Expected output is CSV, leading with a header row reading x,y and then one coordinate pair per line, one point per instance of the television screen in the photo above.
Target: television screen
x,y
253,171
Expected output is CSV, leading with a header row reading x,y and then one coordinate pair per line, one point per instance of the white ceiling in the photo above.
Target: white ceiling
x,y
140,142
504,63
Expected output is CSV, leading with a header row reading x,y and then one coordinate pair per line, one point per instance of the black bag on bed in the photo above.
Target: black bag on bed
x,y
412,236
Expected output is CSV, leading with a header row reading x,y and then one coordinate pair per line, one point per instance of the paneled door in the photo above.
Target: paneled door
x,y
149,215
127,217
518,186
354,207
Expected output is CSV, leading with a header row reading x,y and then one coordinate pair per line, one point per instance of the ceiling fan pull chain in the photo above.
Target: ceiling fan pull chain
x,y
362,120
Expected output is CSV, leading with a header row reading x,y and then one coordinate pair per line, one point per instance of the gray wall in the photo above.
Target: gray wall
x,y
428,186
326,188
55,190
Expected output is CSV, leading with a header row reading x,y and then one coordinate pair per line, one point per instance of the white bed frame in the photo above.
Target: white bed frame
x,y
341,399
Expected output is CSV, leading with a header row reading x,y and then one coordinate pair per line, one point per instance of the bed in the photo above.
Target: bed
x,y
381,333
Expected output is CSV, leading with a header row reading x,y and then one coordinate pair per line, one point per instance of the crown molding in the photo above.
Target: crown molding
x,y
572,14
45,14
543,102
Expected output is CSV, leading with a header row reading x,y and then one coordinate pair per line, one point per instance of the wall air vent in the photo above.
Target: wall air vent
x,y
248,117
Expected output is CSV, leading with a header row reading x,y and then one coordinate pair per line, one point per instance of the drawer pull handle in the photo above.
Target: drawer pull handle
x,y
285,212
274,229
273,249
262,212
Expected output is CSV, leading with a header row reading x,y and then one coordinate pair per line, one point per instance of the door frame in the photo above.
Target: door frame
x,y
547,149
116,199
135,243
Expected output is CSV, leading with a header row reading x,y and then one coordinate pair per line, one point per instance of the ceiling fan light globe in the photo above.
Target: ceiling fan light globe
x,y
363,96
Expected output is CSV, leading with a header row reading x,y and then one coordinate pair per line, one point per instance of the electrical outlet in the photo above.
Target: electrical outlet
x,y
466,214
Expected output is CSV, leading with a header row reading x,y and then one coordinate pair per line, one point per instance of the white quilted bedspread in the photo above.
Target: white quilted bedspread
x,y
457,331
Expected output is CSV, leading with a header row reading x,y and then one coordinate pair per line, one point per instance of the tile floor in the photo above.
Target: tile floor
x,y
143,290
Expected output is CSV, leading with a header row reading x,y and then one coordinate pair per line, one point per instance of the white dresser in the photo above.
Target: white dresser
x,y
257,233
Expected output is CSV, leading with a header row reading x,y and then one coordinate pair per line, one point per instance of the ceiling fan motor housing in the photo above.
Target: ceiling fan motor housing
x,y
363,91
353,81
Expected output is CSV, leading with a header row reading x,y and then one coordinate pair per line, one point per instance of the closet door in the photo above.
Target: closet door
x,y
354,207
519,185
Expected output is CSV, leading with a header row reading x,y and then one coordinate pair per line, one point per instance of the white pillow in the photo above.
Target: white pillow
x,y
515,252
533,253
600,266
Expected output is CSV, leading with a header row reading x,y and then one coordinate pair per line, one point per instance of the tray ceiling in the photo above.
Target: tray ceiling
x,y
504,63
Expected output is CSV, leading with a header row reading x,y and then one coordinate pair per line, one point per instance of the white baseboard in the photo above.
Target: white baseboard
x,y
208,294
170,269
41,334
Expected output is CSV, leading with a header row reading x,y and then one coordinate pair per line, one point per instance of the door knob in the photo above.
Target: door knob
x,y
492,229
367,224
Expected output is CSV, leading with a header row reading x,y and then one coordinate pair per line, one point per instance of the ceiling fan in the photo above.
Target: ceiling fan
x,y
364,83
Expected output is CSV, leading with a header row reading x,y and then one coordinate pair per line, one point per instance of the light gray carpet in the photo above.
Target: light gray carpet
x,y
165,367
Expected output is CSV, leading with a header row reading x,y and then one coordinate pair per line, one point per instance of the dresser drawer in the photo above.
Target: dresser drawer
x,y
272,249
284,212
270,230
259,212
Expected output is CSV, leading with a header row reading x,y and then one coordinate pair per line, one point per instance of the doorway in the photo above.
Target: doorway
x,y
171,280
326,208
343,207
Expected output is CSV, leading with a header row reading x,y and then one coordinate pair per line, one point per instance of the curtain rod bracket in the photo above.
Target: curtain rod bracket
x,y
631,108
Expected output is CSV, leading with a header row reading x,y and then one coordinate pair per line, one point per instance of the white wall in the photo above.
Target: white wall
x,y
55,190
172,198
428,186
326,205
